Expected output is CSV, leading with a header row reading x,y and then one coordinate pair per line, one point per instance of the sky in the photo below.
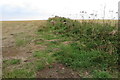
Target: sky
x,y
43,9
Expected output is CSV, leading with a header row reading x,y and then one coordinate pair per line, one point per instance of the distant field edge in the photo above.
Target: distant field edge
x,y
45,20
23,21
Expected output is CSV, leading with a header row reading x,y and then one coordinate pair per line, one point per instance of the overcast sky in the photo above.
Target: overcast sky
x,y
43,9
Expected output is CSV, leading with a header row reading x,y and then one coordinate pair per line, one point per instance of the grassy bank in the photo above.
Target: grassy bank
x,y
92,47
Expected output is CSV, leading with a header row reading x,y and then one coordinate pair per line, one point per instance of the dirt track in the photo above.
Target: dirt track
x,y
13,31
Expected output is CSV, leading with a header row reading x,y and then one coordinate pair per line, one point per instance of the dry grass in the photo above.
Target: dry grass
x,y
112,22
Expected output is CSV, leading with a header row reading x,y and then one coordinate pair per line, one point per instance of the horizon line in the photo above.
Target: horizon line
x,y
47,19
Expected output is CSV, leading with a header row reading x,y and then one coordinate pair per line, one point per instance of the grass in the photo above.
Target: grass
x,y
22,39
20,42
39,54
47,35
28,70
75,58
93,49
101,74
19,73
94,46
44,56
12,61
40,66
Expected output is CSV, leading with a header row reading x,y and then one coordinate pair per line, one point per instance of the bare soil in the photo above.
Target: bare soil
x,y
57,71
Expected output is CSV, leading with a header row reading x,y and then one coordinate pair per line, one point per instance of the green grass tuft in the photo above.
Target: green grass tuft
x,y
19,73
101,74
12,61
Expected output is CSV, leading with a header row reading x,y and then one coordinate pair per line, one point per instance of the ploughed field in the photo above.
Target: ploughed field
x,y
59,48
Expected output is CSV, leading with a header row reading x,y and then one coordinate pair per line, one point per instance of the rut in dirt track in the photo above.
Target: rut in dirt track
x,y
57,71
